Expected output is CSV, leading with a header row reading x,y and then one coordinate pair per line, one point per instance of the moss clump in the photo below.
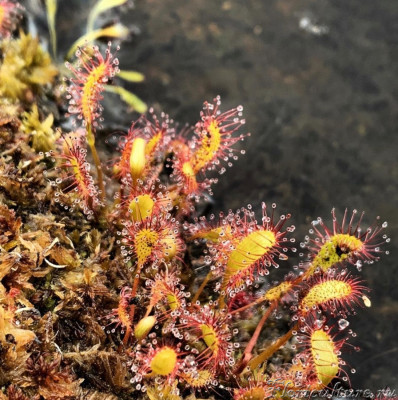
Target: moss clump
x,y
25,68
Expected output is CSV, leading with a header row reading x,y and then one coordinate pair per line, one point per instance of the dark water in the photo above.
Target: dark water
x,y
318,82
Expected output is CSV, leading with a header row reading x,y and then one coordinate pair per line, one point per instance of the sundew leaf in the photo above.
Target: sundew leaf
x,y
131,76
118,31
51,7
131,99
100,7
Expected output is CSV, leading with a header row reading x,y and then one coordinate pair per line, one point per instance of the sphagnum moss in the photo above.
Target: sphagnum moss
x,y
103,299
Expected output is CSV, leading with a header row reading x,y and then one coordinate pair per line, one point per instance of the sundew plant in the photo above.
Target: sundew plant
x,y
115,286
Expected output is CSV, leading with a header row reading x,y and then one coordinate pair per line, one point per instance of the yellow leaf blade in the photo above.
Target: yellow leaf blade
x,y
131,76
118,31
99,8
51,6
131,99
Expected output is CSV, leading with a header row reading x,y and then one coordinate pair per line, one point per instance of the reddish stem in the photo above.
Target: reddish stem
x,y
248,351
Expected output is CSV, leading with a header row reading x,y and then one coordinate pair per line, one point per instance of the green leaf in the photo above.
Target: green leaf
x,y
118,31
100,7
51,7
131,76
128,97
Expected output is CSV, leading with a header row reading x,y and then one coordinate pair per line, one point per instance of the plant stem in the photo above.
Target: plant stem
x,y
201,287
248,350
270,350
255,302
136,280
127,336
221,301
261,299
97,162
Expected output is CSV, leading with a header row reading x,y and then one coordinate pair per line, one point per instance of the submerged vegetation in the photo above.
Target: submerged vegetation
x,y
114,286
